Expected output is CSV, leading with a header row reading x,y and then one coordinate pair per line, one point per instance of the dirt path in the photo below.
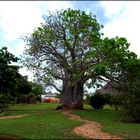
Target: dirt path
x,y
23,115
5,137
90,129
14,116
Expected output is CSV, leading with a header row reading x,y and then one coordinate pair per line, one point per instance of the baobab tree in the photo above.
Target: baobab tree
x,y
70,47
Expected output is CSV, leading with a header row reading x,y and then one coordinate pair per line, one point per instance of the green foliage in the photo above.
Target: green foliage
x,y
131,107
37,89
6,57
27,89
13,86
64,43
58,95
97,101
131,87
87,100
114,101
100,69
4,99
131,104
23,86
69,47
8,76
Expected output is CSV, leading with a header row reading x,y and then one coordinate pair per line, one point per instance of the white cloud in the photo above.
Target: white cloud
x,y
18,49
25,72
18,18
112,8
55,5
124,21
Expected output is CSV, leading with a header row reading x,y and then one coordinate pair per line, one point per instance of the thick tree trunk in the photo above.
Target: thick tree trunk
x,y
72,97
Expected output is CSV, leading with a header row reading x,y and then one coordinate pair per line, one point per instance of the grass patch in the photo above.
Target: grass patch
x,y
50,125
29,108
109,118
43,125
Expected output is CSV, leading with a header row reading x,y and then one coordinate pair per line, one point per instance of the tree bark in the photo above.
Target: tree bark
x,y
72,97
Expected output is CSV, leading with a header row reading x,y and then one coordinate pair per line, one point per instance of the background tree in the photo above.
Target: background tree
x,y
97,101
131,87
69,47
8,76
37,90
23,88
26,89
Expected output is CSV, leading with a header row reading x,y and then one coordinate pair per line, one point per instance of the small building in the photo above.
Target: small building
x,y
49,97
111,88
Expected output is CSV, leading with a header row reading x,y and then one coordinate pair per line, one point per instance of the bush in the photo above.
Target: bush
x,y
131,107
114,101
108,98
4,100
38,99
97,101
60,107
87,100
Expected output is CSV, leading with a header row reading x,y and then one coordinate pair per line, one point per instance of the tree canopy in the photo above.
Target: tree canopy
x,y
8,75
70,47
13,86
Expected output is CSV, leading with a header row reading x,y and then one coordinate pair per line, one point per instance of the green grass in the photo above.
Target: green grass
x,y
29,108
44,125
110,119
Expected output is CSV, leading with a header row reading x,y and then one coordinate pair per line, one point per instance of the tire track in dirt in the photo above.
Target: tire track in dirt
x,y
90,129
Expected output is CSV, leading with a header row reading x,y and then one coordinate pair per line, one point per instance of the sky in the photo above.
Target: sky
x,y
18,18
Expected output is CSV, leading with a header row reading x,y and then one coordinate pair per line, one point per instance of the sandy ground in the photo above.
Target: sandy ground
x,y
90,129
14,116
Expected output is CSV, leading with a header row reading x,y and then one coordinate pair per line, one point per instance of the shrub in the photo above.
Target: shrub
x,y
108,98
59,107
131,107
87,100
97,101
4,100
116,101
38,98
113,100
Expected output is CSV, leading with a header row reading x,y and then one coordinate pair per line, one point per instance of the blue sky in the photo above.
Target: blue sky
x,y
17,18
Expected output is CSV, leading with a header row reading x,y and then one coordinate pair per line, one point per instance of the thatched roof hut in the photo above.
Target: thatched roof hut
x,y
110,88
